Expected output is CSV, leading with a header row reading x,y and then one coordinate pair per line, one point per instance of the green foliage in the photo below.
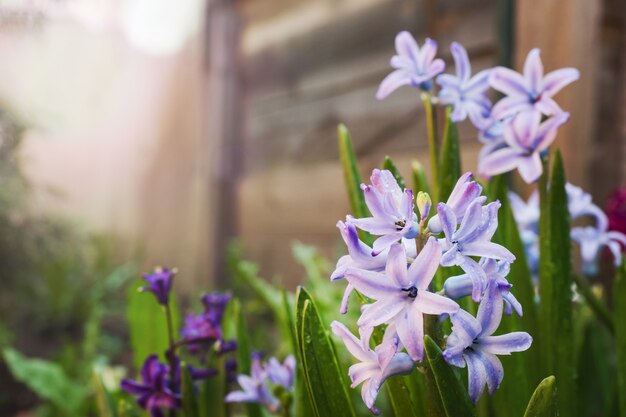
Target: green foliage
x,y
450,160
454,397
148,325
351,173
418,177
619,303
555,277
48,380
389,165
324,382
544,401
190,403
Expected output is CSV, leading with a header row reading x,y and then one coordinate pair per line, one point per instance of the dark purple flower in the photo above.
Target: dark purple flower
x,y
199,333
154,393
160,283
215,305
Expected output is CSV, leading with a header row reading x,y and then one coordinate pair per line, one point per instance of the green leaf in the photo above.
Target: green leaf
x,y
555,286
147,324
47,379
450,159
456,402
619,316
244,360
400,397
433,145
351,173
103,399
190,405
324,382
544,401
212,392
389,165
418,176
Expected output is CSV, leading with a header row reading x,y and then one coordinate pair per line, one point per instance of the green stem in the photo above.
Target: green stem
x,y
433,143
594,303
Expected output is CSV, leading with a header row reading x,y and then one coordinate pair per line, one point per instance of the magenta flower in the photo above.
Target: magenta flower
x,y
531,91
472,238
160,284
402,295
154,392
471,343
465,192
526,137
465,93
393,217
413,65
375,366
616,210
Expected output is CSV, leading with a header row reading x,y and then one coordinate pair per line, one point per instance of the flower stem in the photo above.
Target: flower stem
x,y
170,354
594,303
433,144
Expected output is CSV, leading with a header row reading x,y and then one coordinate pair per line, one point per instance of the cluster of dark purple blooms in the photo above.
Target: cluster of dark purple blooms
x,y
397,276
160,385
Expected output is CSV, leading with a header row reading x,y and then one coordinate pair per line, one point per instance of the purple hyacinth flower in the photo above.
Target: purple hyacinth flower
x,y
402,295
496,272
531,91
215,305
199,333
465,192
375,366
526,213
465,93
526,137
255,388
471,343
160,284
281,374
413,65
591,240
393,217
154,393
579,203
472,238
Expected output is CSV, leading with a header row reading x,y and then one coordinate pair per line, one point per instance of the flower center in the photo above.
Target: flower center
x,y
412,291
400,225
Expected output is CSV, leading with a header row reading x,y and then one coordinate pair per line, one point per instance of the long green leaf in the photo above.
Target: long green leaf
x,y
544,402
351,173
212,393
103,399
147,324
555,289
47,379
244,361
619,303
190,404
418,176
389,165
325,383
433,144
450,159
456,402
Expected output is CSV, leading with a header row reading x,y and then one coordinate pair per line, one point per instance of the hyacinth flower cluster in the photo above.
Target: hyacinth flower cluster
x,y
516,130
397,277
159,388
591,240
269,384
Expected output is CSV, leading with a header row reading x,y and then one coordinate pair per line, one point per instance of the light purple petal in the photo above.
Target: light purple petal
x,y
479,83
384,242
471,220
343,309
459,286
410,328
448,220
424,267
530,168
547,131
556,80
407,46
461,61
241,397
522,130
375,225
372,284
350,341
400,364
430,303
465,327
448,81
477,275
533,70
506,343
490,310
382,311
509,106
548,106
369,392
493,369
500,161
435,68
512,304
396,268
488,250
373,201
476,376
362,371
451,257
508,82
392,82
427,54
